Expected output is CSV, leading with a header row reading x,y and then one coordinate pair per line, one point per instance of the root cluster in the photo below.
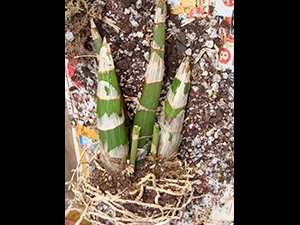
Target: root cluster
x,y
153,194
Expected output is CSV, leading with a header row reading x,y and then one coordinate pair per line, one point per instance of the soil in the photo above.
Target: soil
x,y
207,143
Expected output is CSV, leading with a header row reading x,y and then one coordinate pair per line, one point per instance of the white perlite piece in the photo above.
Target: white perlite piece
x,y
188,52
138,4
69,36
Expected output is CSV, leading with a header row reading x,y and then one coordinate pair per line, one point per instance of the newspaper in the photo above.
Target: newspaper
x,y
223,10
222,210
82,114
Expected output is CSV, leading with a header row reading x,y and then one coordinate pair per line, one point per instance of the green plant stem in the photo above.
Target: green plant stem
x,y
146,113
153,179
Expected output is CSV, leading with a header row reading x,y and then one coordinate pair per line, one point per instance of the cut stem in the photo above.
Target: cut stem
x,y
134,144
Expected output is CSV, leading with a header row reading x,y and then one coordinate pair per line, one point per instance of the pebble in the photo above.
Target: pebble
x,y
188,52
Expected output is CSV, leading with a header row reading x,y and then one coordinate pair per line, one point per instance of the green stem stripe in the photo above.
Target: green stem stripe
x,y
111,125
96,36
172,114
146,113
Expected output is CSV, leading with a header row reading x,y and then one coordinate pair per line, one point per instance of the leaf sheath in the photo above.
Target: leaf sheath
x,y
173,111
111,118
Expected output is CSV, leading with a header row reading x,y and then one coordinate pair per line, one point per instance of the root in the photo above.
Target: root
x,y
148,197
77,19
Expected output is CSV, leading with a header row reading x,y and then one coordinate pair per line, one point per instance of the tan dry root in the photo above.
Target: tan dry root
x,y
127,206
78,14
